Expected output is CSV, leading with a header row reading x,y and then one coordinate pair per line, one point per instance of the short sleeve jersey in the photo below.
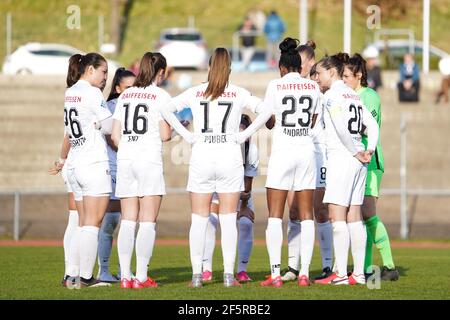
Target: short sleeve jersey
x,y
84,106
214,119
294,101
138,111
344,101
371,100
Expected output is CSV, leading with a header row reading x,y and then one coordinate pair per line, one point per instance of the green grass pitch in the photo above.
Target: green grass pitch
x,y
35,273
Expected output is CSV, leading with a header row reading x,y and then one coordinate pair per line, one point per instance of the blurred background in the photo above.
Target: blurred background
x,y
38,36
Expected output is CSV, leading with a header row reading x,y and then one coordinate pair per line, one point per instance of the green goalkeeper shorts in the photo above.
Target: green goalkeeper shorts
x,y
373,182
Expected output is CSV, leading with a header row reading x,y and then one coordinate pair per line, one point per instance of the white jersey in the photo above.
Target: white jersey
x,y
84,106
112,154
318,132
138,110
215,120
294,100
342,100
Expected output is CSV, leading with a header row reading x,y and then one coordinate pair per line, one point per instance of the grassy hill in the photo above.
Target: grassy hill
x,y
45,20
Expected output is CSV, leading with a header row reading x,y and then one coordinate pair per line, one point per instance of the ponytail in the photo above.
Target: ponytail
x,y
78,64
73,72
219,73
146,71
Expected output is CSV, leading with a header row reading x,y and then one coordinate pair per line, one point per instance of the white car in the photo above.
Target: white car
x,y
44,59
183,48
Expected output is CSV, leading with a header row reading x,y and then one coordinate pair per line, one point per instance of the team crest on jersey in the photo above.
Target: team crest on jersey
x,y
329,103
108,173
103,105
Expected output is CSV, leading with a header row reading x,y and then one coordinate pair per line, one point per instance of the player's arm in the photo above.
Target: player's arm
x,y
372,130
65,148
270,123
340,125
116,132
178,103
165,131
104,117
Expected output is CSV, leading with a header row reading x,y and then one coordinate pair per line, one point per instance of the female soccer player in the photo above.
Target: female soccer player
x,y
122,80
138,132
245,210
216,160
355,76
325,231
345,116
86,120
294,102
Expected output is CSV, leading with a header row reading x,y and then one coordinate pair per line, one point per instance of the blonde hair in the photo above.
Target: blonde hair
x,y
219,73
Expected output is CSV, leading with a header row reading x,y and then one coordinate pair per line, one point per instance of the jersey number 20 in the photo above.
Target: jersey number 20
x,y
356,119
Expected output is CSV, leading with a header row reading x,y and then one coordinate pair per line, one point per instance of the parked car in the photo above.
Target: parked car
x,y
44,58
395,49
183,48
257,63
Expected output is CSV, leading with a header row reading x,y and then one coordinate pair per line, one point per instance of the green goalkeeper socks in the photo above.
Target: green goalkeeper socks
x,y
377,233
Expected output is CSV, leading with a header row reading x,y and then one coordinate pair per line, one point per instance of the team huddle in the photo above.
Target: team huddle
x,y
326,163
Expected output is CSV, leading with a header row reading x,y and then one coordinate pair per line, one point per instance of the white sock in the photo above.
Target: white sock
x,y
325,231
229,236
341,241
294,243
210,241
274,241
358,238
72,225
197,236
245,242
88,250
145,241
73,269
307,245
125,245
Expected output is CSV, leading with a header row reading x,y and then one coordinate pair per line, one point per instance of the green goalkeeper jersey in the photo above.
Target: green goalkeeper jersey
x,y
371,100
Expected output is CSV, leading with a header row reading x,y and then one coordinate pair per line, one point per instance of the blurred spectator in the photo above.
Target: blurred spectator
x,y
247,30
134,67
258,17
373,67
409,85
444,68
274,29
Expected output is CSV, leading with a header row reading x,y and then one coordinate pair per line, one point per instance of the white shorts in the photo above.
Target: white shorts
x,y
90,180
215,199
292,169
321,165
346,179
139,178
216,169
66,179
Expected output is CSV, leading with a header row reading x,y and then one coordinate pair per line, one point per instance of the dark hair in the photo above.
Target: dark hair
x,y
290,59
336,61
219,73
151,64
78,64
313,70
307,49
357,64
246,121
118,76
